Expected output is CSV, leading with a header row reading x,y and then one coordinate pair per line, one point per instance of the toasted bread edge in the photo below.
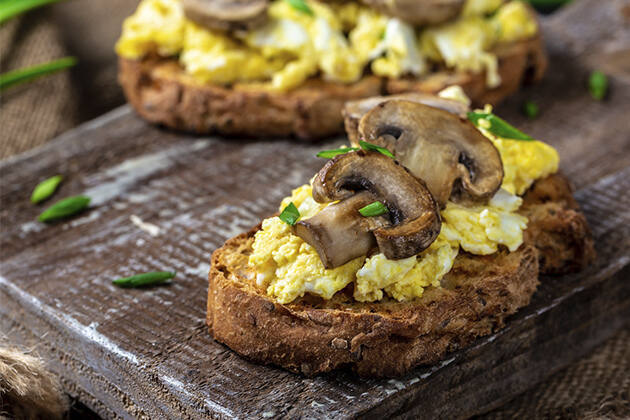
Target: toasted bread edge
x,y
388,338
161,92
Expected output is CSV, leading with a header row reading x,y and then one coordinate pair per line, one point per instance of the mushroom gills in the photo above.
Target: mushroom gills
x,y
439,147
414,219
339,233
354,110
227,15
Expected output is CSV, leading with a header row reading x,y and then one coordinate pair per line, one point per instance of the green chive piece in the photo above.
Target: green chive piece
x,y
369,146
498,126
290,214
11,8
374,209
145,279
64,208
45,189
329,154
27,74
301,6
598,85
530,109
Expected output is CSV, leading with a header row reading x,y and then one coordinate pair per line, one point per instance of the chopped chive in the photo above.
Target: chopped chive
x,y
598,85
374,209
65,208
145,279
369,146
16,77
11,8
498,126
329,154
290,214
45,189
301,6
530,109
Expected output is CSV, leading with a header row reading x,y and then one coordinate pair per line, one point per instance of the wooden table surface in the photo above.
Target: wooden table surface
x,y
147,353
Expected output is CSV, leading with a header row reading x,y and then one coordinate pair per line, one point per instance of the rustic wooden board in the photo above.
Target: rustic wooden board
x,y
147,353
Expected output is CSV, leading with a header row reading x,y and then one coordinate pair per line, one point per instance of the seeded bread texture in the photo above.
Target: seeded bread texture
x,y
388,338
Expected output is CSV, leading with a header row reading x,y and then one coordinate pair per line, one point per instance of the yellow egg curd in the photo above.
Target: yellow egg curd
x,y
287,267
336,41
523,161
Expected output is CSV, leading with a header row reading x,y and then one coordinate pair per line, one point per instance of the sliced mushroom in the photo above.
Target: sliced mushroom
x,y
414,218
445,151
227,15
353,111
426,12
339,233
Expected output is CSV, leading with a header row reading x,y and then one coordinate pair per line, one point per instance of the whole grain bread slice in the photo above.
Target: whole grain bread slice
x,y
161,92
388,338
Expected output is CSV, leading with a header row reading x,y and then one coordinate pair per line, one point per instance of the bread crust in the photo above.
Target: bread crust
x,y
386,338
558,228
375,339
161,92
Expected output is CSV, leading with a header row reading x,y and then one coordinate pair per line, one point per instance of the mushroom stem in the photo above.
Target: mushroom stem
x,y
339,233
414,219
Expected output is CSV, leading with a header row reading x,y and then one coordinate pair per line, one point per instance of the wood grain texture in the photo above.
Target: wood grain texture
x,y
147,353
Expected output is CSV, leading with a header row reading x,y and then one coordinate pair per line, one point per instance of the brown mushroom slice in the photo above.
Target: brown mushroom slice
x,y
227,15
445,151
415,12
339,233
353,111
414,218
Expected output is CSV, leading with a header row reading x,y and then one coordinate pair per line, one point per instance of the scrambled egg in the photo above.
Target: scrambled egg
x,y
157,24
338,42
463,45
405,279
523,161
513,22
287,267
480,7
480,229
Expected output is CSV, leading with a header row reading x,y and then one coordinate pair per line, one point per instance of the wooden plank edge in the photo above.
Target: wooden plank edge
x,y
42,326
69,136
544,339
541,355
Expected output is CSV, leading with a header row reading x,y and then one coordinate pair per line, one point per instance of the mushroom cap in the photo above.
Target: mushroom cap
x,y
227,15
414,218
353,111
339,233
415,12
444,150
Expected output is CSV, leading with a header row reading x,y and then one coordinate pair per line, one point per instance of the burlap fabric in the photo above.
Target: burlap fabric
x,y
33,114
598,386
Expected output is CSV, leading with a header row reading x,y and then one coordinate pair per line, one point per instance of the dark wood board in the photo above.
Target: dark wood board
x,y
147,353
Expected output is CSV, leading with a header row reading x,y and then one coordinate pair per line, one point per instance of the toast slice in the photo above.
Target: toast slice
x,y
161,92
560,231
388,338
